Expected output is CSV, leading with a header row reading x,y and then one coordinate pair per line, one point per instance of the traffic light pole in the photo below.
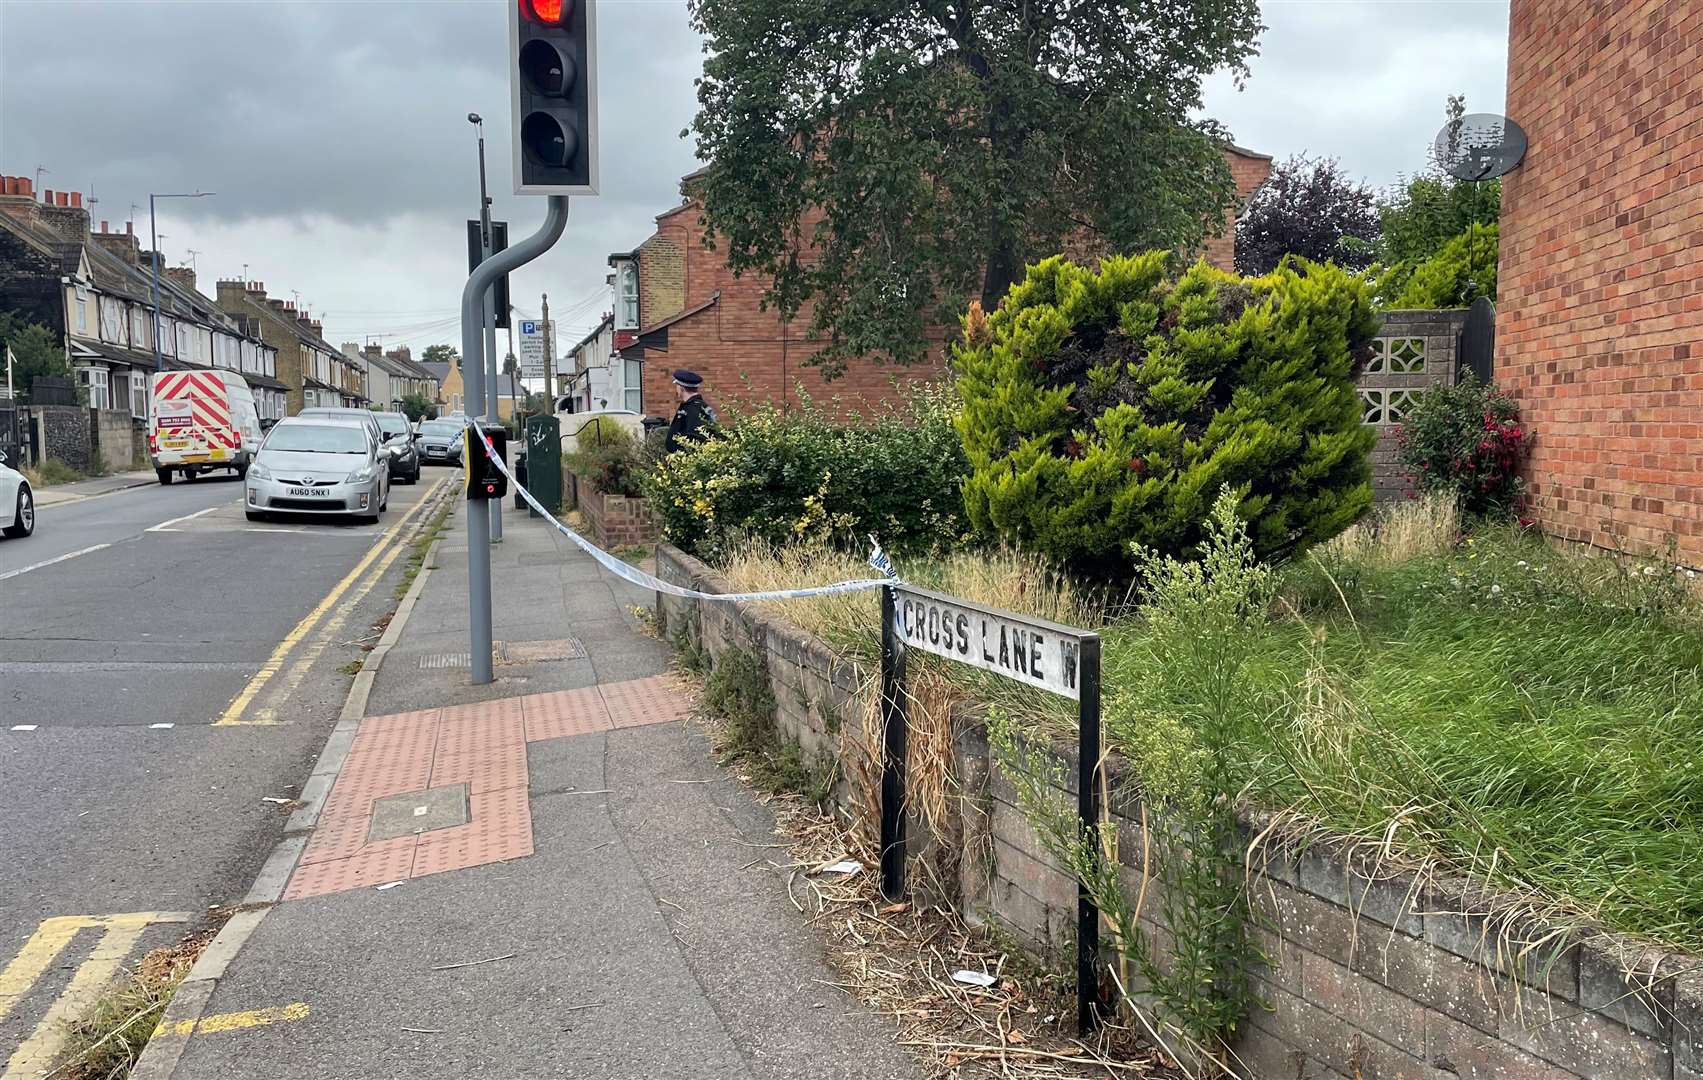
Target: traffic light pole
x,y
474,305
487,242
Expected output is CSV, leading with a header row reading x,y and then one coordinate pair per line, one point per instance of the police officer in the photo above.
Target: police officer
x,y
693,414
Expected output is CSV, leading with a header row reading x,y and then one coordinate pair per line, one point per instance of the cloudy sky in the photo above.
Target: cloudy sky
x,y
334,132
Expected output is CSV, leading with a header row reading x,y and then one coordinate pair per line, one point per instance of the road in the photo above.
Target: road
x,y
165,667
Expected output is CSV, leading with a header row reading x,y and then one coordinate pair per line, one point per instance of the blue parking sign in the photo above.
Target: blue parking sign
x,y
528,327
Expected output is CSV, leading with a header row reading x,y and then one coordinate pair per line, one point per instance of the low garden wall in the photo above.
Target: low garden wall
x,y
1413,350
1368,973
615,521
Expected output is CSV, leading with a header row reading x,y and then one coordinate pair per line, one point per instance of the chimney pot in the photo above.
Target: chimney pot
x,y
129,228
103,225
26,186
8,186
77,199
64,199
47,196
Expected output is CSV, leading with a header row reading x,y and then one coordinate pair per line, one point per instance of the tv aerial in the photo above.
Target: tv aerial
x,y
1477,148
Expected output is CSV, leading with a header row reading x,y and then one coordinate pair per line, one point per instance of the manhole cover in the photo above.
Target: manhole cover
x,y
537,652
418,811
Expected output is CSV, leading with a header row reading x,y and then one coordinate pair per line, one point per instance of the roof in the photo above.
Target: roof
x,y
117,353
1245,152
607,320
317,385
439,372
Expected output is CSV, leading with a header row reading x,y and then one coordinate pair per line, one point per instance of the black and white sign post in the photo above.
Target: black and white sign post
x,y
1058,659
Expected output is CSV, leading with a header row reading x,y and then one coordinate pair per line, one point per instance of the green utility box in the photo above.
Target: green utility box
x,y
544,461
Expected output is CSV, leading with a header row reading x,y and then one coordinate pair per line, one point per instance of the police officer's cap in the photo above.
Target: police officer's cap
x,y
691,380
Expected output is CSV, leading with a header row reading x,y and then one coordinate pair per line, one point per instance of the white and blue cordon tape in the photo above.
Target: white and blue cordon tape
x,y
628,572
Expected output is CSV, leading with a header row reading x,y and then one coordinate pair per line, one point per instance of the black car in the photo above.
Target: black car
x,y
399,446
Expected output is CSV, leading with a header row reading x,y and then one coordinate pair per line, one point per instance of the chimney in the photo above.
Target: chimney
x,y
103,225
183,275
129,228
229,290
60,215
122,244
16,201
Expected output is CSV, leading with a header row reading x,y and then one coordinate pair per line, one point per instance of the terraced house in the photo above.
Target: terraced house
x,y
316,373
95,291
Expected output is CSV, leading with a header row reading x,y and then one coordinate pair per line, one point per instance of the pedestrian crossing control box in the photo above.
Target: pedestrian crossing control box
x,y
484,479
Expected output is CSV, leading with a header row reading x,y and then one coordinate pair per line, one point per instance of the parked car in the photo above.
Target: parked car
x,y
17,502
440,441
199,421
318,465
399,446
343,412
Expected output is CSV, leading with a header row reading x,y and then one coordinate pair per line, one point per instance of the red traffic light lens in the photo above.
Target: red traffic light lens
x,y
551,12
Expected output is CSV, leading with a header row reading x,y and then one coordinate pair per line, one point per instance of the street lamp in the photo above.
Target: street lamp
x,y
154,258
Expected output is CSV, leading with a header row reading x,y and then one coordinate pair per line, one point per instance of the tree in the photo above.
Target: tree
x,y
1108,408
1461,270
418,407
1430,208
886,162
440,354
1308,207
36,351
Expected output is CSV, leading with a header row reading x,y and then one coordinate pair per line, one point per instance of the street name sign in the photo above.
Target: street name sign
x,y
1058,659
1031,651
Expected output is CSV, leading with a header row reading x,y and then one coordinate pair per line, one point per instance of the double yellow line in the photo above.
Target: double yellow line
x,y
384,552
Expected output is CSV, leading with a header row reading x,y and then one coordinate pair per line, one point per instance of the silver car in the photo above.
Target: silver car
x,y
440,441
309,465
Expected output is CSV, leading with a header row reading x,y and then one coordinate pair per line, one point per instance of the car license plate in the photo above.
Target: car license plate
x,y
435,451
310,493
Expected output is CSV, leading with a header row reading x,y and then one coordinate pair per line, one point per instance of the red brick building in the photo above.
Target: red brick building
x,y
1600,307
677,305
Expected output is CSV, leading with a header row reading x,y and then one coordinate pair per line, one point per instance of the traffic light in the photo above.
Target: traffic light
x,y
484,480
553,76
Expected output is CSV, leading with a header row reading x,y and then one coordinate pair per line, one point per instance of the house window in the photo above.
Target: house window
x,y
96,380
138,394
632,378
82,310
629,296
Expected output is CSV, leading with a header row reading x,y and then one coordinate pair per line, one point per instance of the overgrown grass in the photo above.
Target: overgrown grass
x,y
1494,705
105,1041
1499,707
51,471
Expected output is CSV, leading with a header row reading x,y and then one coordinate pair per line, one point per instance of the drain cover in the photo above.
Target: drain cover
x,y
418,812
536,652
461,659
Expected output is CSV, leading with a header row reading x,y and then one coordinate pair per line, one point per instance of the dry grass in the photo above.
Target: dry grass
x,y
104,1043
899,959
1399,533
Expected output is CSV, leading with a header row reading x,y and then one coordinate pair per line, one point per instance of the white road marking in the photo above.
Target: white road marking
x,y
23,727
49,562
164,526
157,726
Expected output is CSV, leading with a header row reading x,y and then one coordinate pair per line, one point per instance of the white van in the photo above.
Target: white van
x,y
199,421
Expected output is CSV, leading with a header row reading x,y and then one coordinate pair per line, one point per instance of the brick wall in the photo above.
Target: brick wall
x,y
662,279
1600,308
1249,170
615,521
1371,973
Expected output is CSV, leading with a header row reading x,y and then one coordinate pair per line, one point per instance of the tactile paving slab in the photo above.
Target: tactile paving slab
x,y
388,860
564,713
656,700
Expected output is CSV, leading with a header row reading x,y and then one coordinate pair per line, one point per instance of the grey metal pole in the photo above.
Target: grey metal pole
x,y
478,284
493,391
154,259
489,359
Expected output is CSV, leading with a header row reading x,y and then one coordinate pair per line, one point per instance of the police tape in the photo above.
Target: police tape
x,y
628,572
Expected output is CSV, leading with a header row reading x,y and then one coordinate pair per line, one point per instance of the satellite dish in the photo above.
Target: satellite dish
x,y
1479,146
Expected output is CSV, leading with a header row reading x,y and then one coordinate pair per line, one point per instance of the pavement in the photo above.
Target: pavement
x,y
166,667
99,485
546,876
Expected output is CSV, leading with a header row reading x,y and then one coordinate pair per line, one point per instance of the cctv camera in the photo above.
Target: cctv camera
x,y
473,118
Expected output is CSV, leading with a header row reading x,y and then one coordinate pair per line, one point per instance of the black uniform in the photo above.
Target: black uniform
x,y
690,421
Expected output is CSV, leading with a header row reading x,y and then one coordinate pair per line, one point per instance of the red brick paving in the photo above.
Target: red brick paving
x,y
482,744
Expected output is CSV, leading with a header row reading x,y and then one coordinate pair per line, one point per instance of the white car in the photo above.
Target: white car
x,y
17,502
